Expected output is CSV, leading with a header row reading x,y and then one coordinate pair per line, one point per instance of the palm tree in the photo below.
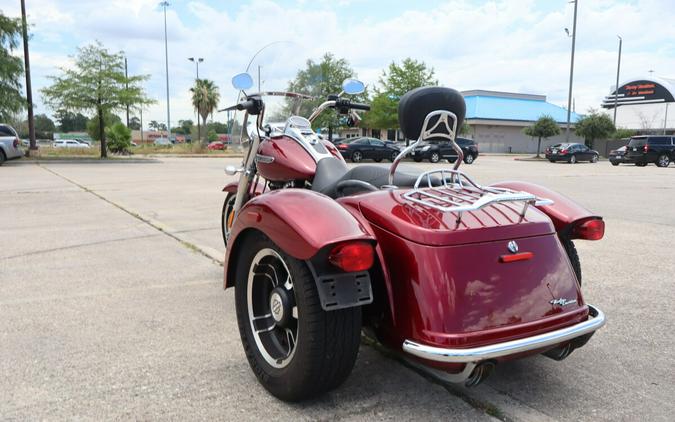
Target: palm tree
x,y
205,97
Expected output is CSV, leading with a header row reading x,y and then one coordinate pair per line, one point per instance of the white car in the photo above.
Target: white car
x,y
69,143
10,146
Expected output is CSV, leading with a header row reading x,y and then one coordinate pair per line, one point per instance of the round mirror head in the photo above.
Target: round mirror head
x,y
353,86
242,81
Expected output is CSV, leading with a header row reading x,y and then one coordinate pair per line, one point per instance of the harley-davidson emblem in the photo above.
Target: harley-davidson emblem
x,y
562,301
512,246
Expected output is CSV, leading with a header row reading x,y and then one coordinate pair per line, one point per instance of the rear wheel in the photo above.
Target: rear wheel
x,y
469,159
295,348
572,159
615,163
434,157
663,160
571,251
357,156
393,156
594,159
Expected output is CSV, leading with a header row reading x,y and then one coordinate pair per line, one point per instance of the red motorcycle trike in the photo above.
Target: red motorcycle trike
x,y
454,276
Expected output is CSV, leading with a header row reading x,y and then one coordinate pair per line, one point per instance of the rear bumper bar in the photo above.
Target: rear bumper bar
x,y
595,320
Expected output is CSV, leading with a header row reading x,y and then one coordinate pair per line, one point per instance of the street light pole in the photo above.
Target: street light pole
x,y
126,85
569,96
165,4
199,126
616,87
29,89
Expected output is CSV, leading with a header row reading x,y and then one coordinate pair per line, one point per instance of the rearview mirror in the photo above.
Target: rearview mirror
x,y
353,86
242,81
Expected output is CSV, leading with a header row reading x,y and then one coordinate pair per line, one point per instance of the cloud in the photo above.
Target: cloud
x,y
514,45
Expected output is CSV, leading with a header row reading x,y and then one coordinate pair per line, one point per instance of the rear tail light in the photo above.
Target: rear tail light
x,y
352,256
646,148
590,230
563,151
16,142
342,146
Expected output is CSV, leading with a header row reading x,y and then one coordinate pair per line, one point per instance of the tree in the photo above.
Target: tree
x,y
594,125
394,83
94,128
320,80
153,125
212,136
622,133
135,123
186,125
119,138
97,82
11,68
205,97
44,127
544,127
465,129
217,127
71,122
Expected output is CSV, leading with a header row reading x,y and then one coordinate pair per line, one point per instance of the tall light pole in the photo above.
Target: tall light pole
x,y
29,89
569,95
616,88
199,126
165,4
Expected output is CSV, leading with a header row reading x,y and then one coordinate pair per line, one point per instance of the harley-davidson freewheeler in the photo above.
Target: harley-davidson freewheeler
x,y
453,275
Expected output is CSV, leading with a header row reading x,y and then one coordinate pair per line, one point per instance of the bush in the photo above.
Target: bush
x,y
212,136
119,139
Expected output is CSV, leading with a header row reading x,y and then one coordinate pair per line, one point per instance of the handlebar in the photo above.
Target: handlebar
x,y
357,106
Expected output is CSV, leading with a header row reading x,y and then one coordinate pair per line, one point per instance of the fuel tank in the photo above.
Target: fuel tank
x,y
456,284
282,159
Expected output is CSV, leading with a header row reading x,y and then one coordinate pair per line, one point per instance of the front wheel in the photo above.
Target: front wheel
x,y
594,159
393,156
573,159
417,160
295,348
434,157
663,161
615,163
469,159
357,157
227,216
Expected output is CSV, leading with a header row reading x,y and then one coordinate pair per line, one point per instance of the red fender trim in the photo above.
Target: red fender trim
x,y
233,186
564,212
299,221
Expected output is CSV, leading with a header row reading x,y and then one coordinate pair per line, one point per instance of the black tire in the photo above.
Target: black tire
x,y
326,345
572,254
594,159
614,163
572,159
468,159
417,160
3,158
377,160
228,206
357,156
393,156
663,160
434,157
552,161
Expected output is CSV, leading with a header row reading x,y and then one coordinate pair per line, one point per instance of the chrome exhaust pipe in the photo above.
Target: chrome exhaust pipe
x,y
480,373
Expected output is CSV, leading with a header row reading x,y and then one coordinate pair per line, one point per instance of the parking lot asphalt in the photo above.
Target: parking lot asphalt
x,y
112,306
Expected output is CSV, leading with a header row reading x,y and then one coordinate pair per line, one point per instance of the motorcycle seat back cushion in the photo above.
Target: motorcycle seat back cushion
x,y
416,104
331,171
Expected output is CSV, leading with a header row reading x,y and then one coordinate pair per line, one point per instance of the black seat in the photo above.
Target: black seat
x,y
331,171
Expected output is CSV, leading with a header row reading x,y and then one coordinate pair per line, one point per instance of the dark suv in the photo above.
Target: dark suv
x,y
643,150
444,151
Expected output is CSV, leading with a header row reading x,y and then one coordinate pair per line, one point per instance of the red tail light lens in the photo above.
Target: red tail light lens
x,y
353,256
590,230
563,151
342,146
646,148
16,142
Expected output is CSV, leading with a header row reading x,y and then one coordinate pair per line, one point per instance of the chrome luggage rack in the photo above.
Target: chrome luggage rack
x,y
457,193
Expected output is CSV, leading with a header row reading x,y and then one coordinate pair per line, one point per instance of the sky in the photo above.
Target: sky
x,y
504,45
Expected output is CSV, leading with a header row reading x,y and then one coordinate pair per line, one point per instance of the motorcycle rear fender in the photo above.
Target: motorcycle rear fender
x,y
564,212
301,222
233,186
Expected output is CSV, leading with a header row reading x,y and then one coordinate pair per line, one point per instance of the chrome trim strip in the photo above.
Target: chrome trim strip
x,y
492,351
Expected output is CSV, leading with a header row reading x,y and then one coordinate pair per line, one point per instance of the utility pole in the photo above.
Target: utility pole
x,y
165,4
199,126
29,89
259,79
616,88
569,96
126,85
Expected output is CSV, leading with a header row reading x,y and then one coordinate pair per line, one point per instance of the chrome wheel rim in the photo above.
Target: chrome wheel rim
x,y
272,312
664,161
435,158
469,159
357,156
573,159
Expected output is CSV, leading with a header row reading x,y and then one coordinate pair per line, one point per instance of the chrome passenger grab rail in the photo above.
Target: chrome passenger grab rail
x,y
458,193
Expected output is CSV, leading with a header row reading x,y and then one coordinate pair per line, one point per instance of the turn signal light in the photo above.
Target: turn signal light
x,y
590,230
353,256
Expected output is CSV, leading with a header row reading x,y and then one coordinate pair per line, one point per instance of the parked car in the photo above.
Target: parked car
x,y
444,151
69,143
659,150
571,153
358,149
10,146
216,146
618,156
